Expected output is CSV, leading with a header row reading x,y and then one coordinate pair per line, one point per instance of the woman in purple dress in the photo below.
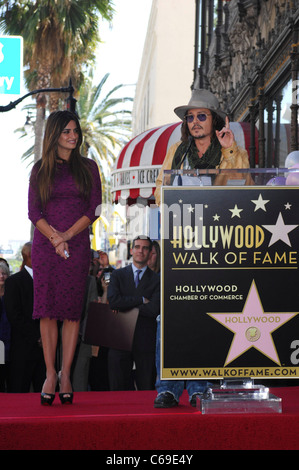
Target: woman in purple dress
x,y
64,199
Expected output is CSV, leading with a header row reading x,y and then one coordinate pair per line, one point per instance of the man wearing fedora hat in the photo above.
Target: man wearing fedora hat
x,y
207,142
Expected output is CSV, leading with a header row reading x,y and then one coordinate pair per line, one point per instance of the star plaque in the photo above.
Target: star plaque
x,y
229,282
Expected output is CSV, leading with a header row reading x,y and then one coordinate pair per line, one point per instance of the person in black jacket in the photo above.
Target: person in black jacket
x,y
27,365
136,286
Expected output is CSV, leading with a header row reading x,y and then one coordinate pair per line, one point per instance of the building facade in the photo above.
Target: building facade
x,y
166,71
249,59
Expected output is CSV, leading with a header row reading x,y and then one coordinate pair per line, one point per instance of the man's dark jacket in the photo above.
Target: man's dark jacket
x,y
123,296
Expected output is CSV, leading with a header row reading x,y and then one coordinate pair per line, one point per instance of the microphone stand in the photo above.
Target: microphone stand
x,y
190,140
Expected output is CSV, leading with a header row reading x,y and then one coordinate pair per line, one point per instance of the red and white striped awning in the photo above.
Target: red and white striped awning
x,y
138,164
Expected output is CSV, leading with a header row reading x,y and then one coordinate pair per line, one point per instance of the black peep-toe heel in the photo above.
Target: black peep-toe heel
x,y
66,398
47,398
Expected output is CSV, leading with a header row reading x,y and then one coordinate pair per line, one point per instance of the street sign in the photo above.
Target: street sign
x,y
11,64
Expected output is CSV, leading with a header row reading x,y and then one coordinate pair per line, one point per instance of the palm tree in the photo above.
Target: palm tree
x,y
106,125
58,37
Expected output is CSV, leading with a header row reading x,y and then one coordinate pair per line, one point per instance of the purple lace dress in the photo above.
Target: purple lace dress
x,y
59,284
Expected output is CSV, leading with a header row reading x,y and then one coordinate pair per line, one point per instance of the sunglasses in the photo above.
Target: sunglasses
x,y
200,116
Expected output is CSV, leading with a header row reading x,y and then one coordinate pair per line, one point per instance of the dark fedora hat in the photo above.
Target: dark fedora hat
x,y
200,99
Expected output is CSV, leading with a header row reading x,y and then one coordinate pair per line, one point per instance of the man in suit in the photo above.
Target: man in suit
x,y
26,355
136,286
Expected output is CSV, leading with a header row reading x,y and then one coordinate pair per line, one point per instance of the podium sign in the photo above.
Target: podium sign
x,y
230,283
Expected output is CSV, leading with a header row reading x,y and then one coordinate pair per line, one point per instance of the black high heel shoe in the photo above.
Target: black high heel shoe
x,y
47,399
66,398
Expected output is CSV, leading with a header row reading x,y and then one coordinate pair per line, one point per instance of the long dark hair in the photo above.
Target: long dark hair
x,y
217,121
56,122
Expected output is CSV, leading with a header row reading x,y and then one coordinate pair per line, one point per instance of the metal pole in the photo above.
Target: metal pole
x,y
71,101
196,45
68,89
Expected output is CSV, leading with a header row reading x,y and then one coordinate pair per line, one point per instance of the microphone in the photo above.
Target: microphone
x,y
190,140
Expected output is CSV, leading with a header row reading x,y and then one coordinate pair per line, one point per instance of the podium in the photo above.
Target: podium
x,y
229,283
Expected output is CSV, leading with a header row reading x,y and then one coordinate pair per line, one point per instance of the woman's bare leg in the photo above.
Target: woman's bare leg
x,y
49,336
70,332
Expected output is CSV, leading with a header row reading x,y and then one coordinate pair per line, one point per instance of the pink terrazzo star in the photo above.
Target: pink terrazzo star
x,y
253,327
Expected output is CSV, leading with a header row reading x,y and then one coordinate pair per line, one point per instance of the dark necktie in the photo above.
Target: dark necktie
x,y
137,280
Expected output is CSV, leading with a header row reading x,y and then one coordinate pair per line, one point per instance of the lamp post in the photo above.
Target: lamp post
x,y
70,101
